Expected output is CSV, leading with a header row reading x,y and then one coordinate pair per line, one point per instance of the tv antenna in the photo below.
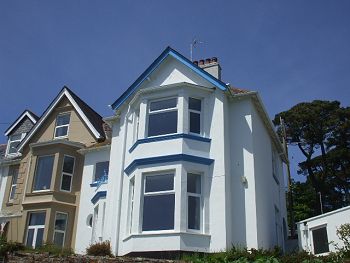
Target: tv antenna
x,y
194,44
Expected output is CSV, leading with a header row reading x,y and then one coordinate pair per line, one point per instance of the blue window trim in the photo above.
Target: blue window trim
x,y
165,159
167,52
98,183
169,137
99,195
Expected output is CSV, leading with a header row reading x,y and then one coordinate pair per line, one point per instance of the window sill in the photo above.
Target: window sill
x,y
9,203
98,183
40,192
165,233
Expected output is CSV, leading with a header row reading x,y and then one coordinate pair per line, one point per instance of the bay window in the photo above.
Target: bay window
x,y
162,117
158,202
43,173
67,173
62,125
35,229
60,229
101,171
194,202
194,109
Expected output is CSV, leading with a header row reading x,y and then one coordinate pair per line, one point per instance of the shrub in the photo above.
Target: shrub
x,y
99,249
343,233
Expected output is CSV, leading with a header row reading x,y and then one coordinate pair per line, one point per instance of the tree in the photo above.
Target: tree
x,y
320,129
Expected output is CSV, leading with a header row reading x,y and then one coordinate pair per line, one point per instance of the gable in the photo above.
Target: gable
x,y
83,118
168,52
22,124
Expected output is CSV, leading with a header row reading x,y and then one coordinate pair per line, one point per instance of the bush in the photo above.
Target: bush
x,y
99,249
343,232
8,247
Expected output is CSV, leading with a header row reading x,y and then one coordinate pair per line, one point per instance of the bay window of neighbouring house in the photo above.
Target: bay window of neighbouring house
x,y
320,240
62,125
13,172
194,201
35,229
158,202
194,110
67,173
162,117
101,172
60,229
43,173
13,142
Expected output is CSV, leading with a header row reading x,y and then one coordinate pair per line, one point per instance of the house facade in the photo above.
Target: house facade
x,y
194,165
318,234
10,161
47,192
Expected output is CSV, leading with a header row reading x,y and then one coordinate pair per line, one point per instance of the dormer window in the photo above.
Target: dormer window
x,y
62,125
14,141
162,117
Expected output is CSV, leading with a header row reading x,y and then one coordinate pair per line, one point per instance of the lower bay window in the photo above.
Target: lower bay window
x,y
158,202
60,229
35,229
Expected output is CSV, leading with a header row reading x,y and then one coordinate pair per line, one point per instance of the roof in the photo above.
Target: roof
x,y
26,113
325,214
166,53
91,118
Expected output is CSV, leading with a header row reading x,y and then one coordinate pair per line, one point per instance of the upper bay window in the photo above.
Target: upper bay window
x,y
101,171
43,173
162,117
62,125
194,110
158,202
14,173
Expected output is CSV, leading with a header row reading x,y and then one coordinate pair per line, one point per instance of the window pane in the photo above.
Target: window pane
x,y
194,183
13,147
14,173
66,182
163,104
13,190
37,219
101,171
60,222
195,122
68,164
194,203
194,104
43,173
162,123
39,237
30,236
61,131
62,119
156,183
320,240
58,239
158,212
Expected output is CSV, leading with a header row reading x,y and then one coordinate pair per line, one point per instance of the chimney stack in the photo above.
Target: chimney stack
x,y
210,65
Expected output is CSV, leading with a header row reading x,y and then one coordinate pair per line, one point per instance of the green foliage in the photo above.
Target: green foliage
x,y
8,247
99,249
51,249
343,233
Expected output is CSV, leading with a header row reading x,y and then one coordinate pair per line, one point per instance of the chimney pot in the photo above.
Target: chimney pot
x,y
207,61
214,59
195,62
201,62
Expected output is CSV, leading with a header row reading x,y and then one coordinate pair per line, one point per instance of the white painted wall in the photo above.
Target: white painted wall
x,y
331,219
86,207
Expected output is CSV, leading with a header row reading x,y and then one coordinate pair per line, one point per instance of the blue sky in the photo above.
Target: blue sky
x,y
289,51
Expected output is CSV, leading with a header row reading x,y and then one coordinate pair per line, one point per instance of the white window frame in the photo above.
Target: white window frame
x,y
13,184
60,231
60,126
200,230
167,192
195,111
136,125
131,203
311,229
11,141
65,173
36,166
35,227
149,113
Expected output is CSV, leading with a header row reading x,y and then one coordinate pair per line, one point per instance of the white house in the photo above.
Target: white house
x,y
317,234
194,165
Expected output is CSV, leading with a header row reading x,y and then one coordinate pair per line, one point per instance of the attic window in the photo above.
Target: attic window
x,y
62,125
13,143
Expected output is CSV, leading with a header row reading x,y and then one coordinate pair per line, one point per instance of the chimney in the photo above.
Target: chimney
x,y
210,65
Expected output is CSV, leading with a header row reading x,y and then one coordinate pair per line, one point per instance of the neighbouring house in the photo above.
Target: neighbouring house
x,y
10,160
317,234
194,165
46,199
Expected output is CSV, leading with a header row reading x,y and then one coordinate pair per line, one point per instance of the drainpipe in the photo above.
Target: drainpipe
x,y
119,201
